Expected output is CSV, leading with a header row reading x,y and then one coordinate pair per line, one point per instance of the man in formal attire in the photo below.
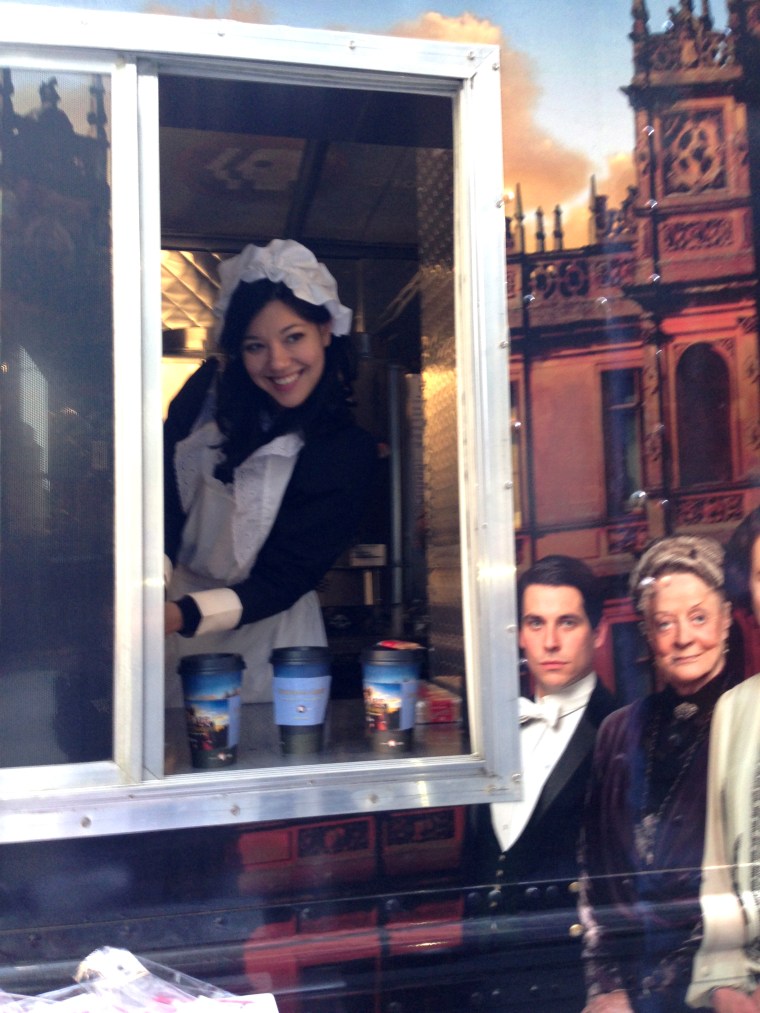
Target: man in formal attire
x,y
528,849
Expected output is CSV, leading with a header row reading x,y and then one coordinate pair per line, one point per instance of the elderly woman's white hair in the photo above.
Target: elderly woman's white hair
x,y
695,554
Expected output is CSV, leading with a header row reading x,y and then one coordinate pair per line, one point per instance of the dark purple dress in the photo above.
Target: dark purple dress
x,y
641,850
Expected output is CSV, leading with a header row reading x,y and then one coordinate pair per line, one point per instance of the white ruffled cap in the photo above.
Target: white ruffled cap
x,y
287,261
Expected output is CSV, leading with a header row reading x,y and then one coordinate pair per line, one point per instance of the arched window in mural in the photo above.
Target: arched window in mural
x,y
703,407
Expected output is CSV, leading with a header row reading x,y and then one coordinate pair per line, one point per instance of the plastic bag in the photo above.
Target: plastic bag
x,y
112,980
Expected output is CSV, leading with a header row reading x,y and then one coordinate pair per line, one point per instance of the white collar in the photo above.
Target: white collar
x,y
552,706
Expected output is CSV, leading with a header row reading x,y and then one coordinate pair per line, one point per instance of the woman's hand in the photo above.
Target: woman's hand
x,y
610,1002
731,1000
172,618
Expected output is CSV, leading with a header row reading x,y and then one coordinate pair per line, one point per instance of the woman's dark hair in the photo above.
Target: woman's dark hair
x,y
739,558
249,298
246,415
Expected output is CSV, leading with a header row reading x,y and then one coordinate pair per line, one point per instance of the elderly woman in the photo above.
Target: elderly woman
x,y
727,968
641,852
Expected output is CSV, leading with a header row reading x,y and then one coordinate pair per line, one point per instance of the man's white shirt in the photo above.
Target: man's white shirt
x,y
546,728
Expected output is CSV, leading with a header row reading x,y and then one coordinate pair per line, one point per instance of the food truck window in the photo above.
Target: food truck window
x,y
127,177
365,180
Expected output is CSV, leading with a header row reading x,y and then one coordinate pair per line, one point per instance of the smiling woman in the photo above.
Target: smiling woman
x,y
266,472
645,816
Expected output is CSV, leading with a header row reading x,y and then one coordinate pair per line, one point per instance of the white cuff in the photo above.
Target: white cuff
x,y
220,610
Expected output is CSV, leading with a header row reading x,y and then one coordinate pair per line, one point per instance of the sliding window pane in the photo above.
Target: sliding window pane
x,y
56,419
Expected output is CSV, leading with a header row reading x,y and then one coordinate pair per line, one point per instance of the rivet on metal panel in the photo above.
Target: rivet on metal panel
x,y
235,810
85,822
503,344
496,66
373,798
471,55
352,44
508,485
511,628
575,931
517,778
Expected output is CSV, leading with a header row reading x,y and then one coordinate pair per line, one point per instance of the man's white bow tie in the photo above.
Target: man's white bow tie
x,y
546,708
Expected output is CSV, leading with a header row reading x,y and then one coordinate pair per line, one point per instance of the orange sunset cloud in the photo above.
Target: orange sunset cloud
x,y
549,172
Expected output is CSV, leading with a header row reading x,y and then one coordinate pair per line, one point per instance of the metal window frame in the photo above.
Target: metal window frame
x,y
131,794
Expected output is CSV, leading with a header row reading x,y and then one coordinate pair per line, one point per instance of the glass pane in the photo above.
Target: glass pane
x,y
56,419
364,180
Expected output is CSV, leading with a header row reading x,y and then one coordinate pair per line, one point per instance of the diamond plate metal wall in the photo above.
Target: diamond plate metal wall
x,y
189,283
439,390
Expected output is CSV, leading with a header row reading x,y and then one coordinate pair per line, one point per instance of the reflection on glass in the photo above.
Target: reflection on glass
x,y
56,430
372,196
621,422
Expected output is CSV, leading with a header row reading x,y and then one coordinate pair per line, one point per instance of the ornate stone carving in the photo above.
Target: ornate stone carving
x,y
628,538
716,509
694,151
650,381
653,448
688,42
614,272
543,280
569,278
697,234
573,275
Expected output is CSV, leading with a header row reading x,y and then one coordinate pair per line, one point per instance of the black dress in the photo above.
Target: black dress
x,y
642,846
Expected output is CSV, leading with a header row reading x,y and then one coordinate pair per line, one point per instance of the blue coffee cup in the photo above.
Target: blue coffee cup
x,y
390,678
211,685
301,690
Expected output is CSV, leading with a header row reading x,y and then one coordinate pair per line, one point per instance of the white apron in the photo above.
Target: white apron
x,y
225,529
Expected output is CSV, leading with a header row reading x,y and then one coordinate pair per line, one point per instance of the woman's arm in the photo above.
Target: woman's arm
x,y
320,511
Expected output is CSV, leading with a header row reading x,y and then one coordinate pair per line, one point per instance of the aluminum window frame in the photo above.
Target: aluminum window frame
x,y
131,793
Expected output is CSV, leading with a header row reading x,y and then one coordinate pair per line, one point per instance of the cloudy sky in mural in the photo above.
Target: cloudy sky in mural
x,y
564,64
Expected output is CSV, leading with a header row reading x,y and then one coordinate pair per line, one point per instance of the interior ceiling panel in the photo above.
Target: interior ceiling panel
x,y
220,184
334,168
367,195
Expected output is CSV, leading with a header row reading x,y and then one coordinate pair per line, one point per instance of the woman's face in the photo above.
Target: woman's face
x,y
687,624
284,354
754,578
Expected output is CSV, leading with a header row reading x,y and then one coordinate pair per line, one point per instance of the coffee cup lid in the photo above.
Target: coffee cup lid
x,y
392,655
211,663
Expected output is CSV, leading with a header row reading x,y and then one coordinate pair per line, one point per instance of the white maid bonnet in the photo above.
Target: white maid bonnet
x,y
287,261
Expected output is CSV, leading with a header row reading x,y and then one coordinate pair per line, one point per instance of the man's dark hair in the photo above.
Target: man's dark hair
x,y
565,571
